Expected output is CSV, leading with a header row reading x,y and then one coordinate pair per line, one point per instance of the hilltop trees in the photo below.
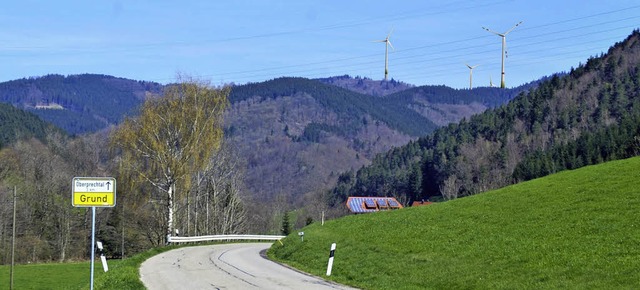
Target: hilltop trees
x,y
17,124
173,137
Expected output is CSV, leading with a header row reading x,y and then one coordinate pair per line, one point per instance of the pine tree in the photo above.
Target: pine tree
x,y
286,225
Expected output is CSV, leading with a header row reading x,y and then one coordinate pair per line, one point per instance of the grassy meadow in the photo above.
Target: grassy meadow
x,y
52,275
122,275
573,230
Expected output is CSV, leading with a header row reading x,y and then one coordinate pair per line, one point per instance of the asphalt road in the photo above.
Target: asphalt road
x,y
229,266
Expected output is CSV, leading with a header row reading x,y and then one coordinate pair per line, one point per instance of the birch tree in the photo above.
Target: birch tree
x,y
172,138
225,212
216,205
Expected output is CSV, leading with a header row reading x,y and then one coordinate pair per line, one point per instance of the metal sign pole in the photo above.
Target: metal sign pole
x,y
93,240
13,237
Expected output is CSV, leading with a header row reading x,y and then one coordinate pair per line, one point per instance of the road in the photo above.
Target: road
x,y
228,266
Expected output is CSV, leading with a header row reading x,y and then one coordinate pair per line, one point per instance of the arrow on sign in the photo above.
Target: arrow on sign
x,y
108,183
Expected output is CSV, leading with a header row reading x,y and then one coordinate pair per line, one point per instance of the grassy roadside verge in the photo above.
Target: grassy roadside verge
x,y
574,230
123,274
126,275
47,276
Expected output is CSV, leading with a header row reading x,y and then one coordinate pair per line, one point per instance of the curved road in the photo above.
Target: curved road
x,y
228,266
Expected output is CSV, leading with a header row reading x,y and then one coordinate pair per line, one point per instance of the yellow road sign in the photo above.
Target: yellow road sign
x,y
93,191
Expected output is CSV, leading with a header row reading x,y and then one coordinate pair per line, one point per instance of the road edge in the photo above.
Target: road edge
x,y
263,254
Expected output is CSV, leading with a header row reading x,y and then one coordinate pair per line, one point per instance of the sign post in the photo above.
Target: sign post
x,y
93,192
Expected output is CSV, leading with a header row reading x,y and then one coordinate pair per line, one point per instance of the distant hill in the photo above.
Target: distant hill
x,y
443,105
440,104
77,103
297,134
17,124
590,115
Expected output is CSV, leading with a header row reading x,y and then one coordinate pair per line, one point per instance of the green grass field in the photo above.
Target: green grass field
x,y
123,274
573,230
52,276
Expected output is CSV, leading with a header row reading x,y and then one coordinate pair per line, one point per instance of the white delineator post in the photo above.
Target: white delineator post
x,y
333,250
105,267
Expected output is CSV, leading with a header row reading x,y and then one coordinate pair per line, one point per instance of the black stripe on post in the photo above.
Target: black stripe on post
x,y
332,253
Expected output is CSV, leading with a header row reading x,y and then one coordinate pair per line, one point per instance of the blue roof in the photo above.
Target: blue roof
x,y
371,204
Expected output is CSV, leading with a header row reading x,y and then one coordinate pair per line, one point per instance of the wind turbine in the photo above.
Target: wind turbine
x,y
471,74
387,43
504,44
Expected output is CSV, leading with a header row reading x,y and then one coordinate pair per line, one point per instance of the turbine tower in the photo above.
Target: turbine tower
x,y
387,43
504,44
471,74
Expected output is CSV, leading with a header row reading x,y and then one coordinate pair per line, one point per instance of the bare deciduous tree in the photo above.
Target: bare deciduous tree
x,y
218,207
173,137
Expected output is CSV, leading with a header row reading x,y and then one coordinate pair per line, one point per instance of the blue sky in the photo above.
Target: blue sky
x,y
253,41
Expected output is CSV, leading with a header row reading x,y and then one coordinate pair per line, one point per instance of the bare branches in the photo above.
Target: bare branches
x,y
173,137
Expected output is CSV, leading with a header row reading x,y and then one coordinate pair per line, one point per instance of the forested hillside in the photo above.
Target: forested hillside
x,y
296,135
17,124
440,104
443,105
587,116
77,103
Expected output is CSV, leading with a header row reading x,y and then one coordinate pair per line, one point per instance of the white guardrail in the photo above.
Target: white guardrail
x,y
224,238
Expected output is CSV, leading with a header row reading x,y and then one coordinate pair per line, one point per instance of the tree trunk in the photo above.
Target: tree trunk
x,y
207,228
188,232
197,203
195,213
170,212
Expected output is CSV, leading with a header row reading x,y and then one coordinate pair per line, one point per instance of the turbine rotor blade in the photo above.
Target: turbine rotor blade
x,y
512,28
496,33
391,31
389,43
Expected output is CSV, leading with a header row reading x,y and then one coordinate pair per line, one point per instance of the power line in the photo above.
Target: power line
x,y
413,58
438,55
